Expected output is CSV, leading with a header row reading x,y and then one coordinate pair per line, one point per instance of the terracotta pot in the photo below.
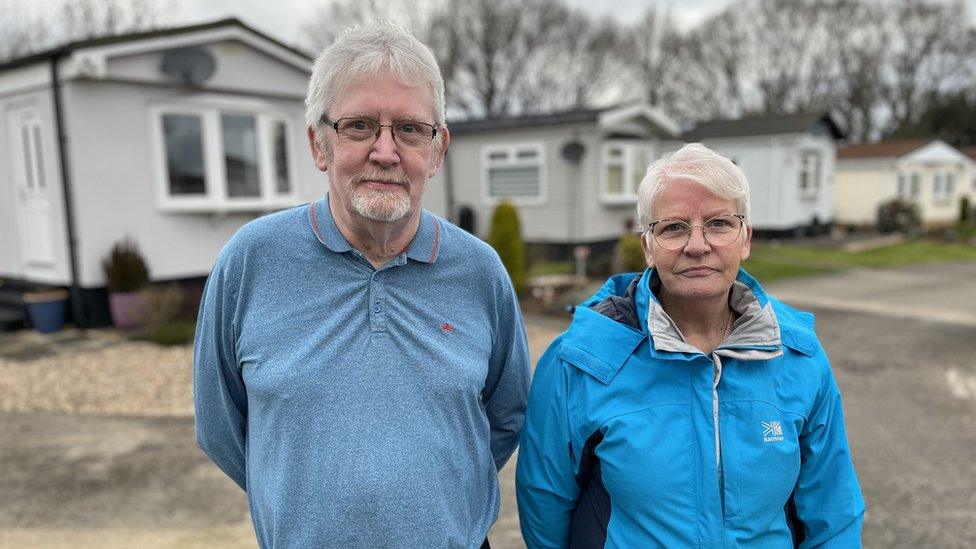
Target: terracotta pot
x,y
129,309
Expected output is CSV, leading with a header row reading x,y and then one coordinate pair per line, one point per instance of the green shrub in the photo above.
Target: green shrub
x,y
630,253
965,210
177,332
125,270
898,216
505,236
166,303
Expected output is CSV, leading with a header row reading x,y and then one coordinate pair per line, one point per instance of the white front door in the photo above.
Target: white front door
x,y
32,186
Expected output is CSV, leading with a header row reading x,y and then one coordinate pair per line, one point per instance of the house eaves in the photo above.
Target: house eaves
x,y
589,116
762,125
297,56
884,149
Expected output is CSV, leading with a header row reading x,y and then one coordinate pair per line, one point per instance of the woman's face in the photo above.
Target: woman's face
x,y
699,270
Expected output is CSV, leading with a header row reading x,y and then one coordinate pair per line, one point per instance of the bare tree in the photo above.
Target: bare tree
x,y
330,18
487,47
24,30
927,55
21,30
579,67
84,19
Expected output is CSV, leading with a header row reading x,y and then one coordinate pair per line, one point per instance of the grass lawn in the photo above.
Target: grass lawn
x,y
776,261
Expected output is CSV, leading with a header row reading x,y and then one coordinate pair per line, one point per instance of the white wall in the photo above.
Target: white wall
x,y
573,210
113,184
771,165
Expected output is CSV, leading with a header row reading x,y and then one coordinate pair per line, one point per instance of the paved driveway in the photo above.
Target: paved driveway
x,y
902,343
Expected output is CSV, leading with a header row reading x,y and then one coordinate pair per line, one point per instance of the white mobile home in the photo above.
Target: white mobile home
x,y
173,137
573,175
789,163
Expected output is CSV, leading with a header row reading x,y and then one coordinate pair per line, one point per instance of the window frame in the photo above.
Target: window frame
x,y
511,151
628,146
215,197
814,191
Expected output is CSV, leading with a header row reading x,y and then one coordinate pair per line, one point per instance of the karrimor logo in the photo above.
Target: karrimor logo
x,y
772,431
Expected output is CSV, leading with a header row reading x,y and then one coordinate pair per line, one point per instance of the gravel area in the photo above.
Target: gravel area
x,y
128,378
136,378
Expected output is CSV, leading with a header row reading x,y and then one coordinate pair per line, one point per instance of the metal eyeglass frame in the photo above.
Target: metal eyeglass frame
x,y
691,228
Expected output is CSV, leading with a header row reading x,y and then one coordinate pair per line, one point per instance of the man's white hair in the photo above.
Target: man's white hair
x,y
694,162
363,51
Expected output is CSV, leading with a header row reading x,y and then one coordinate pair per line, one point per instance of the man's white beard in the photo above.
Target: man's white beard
x,y
387,206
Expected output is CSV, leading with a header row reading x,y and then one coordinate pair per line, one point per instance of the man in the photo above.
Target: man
x,y
361,368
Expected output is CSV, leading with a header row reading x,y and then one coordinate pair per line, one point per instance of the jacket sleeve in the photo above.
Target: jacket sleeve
x,y
219,395
507,385
544,481
827,496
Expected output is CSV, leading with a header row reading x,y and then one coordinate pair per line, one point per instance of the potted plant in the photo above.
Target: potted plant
x,y
46,309
126,274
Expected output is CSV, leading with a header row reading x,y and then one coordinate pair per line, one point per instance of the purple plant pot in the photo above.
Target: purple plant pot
x,y
129,309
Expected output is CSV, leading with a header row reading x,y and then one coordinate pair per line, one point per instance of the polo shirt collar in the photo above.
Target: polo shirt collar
x,y
424,246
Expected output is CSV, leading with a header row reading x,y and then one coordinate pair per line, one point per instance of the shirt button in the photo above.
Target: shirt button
x,y
377,307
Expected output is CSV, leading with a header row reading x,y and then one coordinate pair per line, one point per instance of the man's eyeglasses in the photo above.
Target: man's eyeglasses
x,y
405,132
721,230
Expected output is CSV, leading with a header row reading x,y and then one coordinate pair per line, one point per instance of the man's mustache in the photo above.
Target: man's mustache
x,y
385,177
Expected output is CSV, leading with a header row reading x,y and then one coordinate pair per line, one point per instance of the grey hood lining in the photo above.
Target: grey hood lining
x,y
755,334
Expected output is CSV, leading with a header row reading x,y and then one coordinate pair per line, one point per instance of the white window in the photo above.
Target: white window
x,y
809,174
902,185
211,159
514,172
624,166
915,186
943,186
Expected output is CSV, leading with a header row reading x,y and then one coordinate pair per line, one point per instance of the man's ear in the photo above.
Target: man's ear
x,y
319,155
441,152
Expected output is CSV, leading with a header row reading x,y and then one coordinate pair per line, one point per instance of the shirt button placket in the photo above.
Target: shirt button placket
x,y
377,305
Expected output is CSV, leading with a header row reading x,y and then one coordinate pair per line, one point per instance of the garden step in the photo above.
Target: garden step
x,y
12,320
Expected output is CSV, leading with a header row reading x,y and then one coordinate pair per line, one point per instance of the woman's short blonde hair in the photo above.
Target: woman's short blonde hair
x,y
693,162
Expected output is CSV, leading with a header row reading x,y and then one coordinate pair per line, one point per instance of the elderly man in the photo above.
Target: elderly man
x,y
361,367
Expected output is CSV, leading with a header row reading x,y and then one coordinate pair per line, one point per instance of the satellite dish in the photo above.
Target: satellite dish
x,y
573,151
189,66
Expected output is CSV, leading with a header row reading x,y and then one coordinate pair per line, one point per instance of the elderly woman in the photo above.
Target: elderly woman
x,y
684,407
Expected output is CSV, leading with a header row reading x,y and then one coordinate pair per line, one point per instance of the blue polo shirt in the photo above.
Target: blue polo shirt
x,y
360,407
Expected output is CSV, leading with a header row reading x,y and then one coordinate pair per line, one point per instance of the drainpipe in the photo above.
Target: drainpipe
x,y
79,315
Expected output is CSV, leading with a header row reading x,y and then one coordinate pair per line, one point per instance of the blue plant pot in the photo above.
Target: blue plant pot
x,y
47,312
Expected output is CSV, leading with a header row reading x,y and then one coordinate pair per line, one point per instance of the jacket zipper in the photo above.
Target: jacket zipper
x,y
716,378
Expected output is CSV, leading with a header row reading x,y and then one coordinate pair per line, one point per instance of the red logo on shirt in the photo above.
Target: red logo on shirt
x,y
447,328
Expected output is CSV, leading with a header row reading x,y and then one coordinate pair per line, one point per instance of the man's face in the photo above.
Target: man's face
x,y
379,179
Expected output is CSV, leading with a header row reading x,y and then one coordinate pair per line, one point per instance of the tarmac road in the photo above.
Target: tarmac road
x,y
902,343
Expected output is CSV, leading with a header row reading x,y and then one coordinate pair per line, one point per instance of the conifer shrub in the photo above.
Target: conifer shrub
x,y
125,269
505,236
965,210
630,253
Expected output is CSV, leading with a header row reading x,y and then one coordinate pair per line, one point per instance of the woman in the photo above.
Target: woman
x,y
684,407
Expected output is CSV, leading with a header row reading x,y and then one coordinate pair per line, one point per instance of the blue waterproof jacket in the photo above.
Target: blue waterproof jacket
x,y
634,438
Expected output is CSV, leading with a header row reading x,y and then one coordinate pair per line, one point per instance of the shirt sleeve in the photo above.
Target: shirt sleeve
x,y
507,386
219,395
827,496
544,482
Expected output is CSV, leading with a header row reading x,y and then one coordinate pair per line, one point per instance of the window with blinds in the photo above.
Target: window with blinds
x,y
514,172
